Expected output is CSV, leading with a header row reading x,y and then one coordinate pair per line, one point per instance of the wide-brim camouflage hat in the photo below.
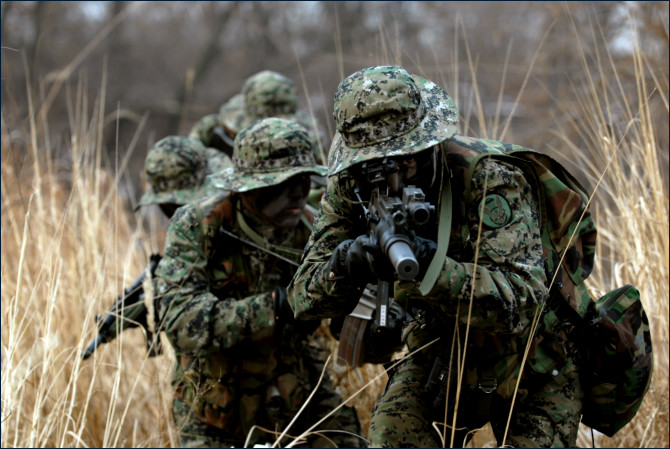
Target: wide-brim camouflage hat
x,y
217,160
265,94
231,113
268,153
234,116
182,196
177,169
384,111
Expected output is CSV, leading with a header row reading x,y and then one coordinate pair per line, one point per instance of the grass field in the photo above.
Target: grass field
x,y
70,245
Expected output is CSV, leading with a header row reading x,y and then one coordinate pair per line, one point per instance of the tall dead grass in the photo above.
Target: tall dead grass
x,y
612,132
68,248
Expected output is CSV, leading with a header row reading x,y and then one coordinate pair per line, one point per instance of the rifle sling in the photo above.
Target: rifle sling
x,y
260,241
443,235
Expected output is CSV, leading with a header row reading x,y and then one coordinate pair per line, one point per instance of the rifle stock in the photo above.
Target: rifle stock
x,y
128,311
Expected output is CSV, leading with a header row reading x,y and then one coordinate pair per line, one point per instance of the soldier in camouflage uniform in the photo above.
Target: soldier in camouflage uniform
x,y
265,94
176,168
481,292
211,130
244,365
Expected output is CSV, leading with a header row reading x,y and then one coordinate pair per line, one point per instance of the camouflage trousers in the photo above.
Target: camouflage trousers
x,y
341,429
548,415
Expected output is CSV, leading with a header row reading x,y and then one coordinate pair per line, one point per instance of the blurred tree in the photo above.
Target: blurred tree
x,y
177,61
208,55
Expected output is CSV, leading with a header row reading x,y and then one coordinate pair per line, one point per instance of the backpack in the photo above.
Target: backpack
x,y
616,354
618,362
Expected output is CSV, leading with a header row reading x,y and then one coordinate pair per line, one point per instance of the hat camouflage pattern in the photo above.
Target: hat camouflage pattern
x,y
231,113
268,153
384,111
217,160
176,169
265,94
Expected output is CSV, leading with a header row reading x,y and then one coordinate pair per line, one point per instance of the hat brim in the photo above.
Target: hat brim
x,y
230,179
234,117
180,197
439,123
249,120
216,161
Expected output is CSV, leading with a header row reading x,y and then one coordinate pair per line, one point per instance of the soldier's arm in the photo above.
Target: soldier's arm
x,y
311,294
509,273
195,320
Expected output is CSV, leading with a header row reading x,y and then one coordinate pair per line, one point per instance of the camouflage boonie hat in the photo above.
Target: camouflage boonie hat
x,y
384,111
176,168
265,94
268,153
231,113
217,160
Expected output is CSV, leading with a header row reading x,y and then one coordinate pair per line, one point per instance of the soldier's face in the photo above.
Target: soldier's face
x,y
282,205
416,170
402,171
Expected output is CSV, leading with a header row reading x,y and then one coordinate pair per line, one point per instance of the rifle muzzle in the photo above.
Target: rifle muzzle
x,y
397,249
97,341
402,258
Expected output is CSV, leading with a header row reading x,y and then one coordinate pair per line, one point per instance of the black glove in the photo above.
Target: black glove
x,y
424,250
284,314
361,261
283,310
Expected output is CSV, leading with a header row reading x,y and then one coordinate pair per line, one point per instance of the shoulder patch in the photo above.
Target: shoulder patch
x,y
494,211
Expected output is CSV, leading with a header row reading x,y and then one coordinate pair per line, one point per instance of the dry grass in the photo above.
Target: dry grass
x,y
69,246
629,173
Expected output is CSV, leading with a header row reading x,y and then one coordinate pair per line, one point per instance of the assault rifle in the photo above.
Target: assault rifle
x,y
128,311
391,223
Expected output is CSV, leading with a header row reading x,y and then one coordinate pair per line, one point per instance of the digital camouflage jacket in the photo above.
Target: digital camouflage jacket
x,y
215,301
498,244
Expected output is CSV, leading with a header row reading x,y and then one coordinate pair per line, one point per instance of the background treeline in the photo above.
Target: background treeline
x,y
166,64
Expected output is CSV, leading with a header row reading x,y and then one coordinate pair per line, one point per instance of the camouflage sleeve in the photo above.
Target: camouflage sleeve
x,y
508,268
311,294
195,320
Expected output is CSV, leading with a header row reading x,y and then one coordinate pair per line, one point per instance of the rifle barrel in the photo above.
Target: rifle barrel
x,y
97,341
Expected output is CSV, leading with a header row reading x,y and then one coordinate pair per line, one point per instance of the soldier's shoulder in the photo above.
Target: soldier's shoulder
x,y
478,165
217,209
217,205
184,222
468,148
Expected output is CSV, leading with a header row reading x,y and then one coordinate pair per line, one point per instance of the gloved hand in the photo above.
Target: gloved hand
x,y
361,261
283,310
284,313
424,250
